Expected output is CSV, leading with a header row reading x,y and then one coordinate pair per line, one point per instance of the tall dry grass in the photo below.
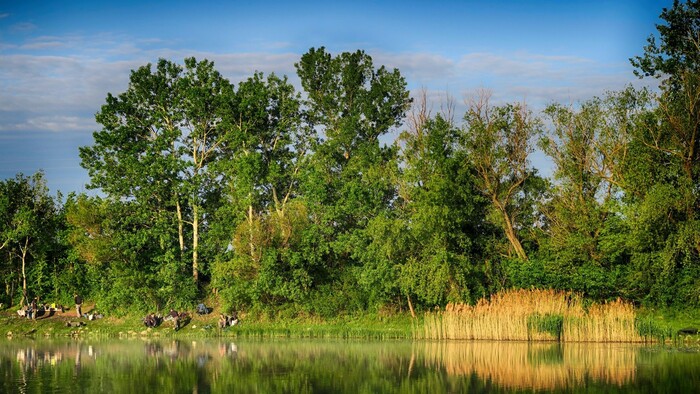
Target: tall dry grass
x,y
534,315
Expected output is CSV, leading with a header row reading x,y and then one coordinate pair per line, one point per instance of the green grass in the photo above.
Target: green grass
x,y
547,323
365,326
656,323
665,323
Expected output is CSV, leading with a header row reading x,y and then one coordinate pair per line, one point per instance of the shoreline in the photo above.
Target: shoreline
x,y
367,326
203,326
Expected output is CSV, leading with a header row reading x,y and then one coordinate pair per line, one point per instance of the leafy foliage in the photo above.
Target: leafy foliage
x,y
285,203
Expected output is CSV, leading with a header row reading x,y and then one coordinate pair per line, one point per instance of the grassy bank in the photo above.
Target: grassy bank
x,y
521,315
366,326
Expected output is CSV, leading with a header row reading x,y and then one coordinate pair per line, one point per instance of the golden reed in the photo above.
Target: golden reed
x,y
534,315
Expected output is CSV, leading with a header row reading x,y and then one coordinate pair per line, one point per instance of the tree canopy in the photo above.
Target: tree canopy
x,y
351,195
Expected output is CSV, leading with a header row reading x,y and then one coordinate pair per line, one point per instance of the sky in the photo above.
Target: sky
x,y
60,59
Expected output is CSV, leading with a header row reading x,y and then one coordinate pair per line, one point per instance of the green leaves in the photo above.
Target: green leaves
x,y
677,51
29,223
499,141
295,201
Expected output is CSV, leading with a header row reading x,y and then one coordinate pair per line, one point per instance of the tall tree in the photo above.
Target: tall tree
x,y
260,169
665,165
499,141
156,146
351,104
675,61
442,212
27,231
590,147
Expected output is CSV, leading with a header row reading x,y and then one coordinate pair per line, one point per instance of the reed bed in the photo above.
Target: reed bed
x,y
534,315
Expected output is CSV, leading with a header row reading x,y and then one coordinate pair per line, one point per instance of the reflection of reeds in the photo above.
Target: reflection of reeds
x,y
534,315
533,366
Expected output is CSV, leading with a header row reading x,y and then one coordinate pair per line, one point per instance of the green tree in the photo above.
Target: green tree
x,y
664,166
29,221
675,60
499,141
589,146
261,218
351,105
442,214
156,147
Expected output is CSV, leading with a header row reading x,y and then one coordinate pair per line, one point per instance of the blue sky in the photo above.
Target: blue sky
x,y
58,60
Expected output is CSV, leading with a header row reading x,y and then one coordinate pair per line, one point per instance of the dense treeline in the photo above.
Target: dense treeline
x,y
273,199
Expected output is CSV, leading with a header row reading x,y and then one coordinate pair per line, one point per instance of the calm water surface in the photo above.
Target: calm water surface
x,y
289,366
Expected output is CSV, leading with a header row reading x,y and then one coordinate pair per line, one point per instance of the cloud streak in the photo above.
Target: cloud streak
x,y
61,92
54,123
22,27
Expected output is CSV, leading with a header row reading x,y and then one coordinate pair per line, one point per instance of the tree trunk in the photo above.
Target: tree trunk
x,y
24,272
180,227
195,243
410,306
279,209
512,237
251,238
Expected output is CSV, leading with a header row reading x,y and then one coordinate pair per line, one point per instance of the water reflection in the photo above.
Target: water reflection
x,y
539,366
203,366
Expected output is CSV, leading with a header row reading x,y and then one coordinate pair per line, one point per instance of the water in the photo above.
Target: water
x,y
306,366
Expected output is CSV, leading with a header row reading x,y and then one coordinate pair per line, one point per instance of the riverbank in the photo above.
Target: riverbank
x,y
668,324
367,326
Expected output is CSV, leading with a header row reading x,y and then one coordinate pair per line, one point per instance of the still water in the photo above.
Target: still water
x,y
289,366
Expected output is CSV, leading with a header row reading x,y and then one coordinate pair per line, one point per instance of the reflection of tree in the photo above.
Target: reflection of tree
x,y
336,366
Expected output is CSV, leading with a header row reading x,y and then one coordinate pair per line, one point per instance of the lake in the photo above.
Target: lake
x,y
334,366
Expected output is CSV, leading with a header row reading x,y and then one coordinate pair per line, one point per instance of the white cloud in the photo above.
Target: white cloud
x,y
522,66
43,84
55,123
62,91
239,66
418,66
22,27
43,45
542,79
53,93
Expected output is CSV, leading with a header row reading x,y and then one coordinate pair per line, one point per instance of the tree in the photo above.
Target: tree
x,y
119,260
590,146
675,60
157,144
261,218
498,142
27,231
678,52
663,169
442,212
351,105
427,250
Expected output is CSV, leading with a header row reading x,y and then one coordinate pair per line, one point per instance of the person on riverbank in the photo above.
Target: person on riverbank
x,y
78,304
33,306
150,320
176,319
